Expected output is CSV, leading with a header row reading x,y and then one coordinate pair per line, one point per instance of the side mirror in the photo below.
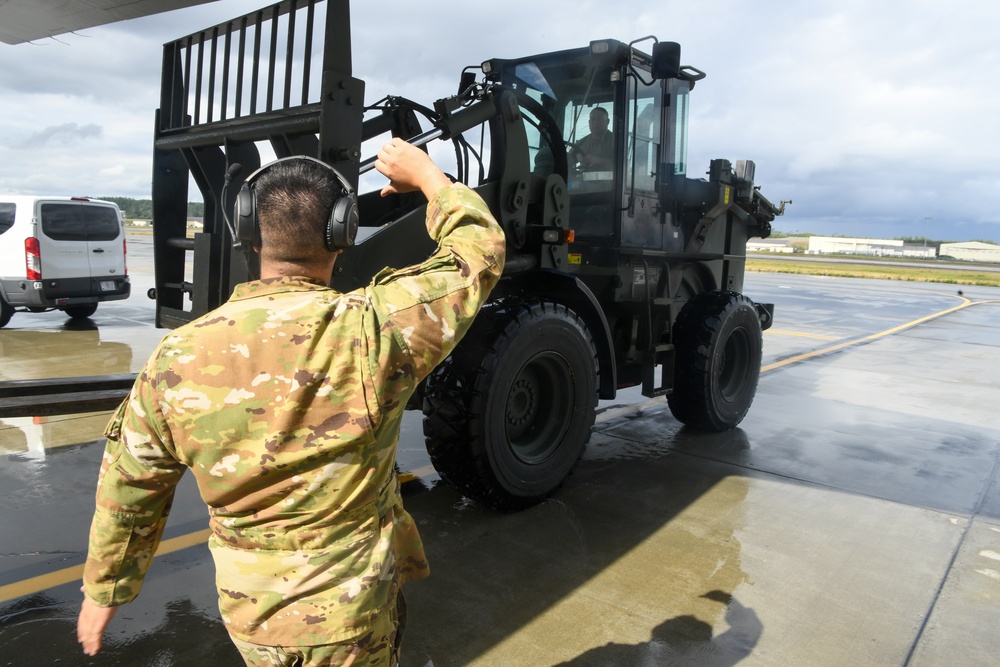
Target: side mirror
x,y
467,80
666,60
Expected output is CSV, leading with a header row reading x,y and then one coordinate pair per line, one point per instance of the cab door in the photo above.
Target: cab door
x,y
80,239
642,218
105,242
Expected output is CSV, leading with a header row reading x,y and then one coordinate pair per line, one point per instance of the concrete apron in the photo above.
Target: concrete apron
x,y
677,559
847,527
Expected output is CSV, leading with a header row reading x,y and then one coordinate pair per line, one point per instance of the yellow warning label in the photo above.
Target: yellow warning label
x,y
575,258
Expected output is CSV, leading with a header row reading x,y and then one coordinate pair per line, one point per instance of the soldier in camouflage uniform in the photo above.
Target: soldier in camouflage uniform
x,y
285,403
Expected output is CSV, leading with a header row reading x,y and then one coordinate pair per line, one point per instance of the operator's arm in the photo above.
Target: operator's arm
x,y
431,305
134,492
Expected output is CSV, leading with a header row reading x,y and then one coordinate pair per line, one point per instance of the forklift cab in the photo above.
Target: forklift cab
x,y
614,177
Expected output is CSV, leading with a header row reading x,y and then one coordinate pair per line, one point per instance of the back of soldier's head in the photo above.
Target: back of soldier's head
x,y
294,201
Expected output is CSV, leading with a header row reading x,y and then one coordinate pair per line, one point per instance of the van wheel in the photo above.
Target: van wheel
x,y
508,414
81,312
6,312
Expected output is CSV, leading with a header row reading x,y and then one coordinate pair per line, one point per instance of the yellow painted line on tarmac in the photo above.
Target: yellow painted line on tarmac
x,y
75,573
782,332
636,407
858,341
417,473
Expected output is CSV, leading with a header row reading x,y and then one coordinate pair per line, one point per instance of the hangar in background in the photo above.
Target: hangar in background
x,y
770,245
972,251
832,245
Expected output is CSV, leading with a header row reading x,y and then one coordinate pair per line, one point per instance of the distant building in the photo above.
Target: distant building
x,y
832,245
769,245
973,251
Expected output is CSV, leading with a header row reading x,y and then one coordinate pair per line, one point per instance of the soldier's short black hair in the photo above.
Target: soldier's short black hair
x,y
294,202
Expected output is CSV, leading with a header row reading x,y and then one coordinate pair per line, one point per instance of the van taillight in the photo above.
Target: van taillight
x,y
32,258
125,254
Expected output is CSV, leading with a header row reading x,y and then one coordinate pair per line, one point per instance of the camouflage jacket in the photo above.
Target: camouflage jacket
x,y
285,403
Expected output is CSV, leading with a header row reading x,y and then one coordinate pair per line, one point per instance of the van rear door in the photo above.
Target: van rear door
x,y
80,239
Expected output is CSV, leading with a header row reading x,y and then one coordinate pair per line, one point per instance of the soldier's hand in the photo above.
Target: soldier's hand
x,y
408,168
91,625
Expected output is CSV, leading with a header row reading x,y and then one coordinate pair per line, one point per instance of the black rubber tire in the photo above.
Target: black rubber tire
x,y
81,312
718,343
508,414
6,312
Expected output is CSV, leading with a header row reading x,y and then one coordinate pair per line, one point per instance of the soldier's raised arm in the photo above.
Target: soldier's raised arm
x,y
432,304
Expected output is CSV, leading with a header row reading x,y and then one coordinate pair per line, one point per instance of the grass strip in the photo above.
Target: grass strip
x,y
888,272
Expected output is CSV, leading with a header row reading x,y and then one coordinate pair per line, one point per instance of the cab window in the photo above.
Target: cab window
x,y
643,132
77,222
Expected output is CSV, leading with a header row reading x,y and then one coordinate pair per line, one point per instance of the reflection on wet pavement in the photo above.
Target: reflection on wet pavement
x,y
74,349
637,555
32,436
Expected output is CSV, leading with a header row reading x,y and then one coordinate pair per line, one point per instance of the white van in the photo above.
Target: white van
x,y
65,253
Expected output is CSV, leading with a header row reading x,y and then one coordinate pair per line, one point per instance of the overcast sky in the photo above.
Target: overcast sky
x,y
875,118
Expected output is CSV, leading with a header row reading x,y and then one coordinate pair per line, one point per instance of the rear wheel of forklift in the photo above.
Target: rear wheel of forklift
x,y
6,312
508,414
717,339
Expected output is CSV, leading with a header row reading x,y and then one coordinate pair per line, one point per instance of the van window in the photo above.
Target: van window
x,y
76,222
6,215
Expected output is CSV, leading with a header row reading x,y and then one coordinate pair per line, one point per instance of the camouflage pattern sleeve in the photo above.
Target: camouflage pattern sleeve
x,y
431,305
134,492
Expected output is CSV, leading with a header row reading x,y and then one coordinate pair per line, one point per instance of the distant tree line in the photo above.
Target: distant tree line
x,y
142,209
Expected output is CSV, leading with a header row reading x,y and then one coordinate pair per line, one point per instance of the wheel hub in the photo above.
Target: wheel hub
x,y
539,407
522,403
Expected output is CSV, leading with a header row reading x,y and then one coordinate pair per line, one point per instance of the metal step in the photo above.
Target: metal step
x,y
61,396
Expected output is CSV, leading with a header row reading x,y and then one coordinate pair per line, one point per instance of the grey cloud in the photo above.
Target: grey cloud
x,y
67,133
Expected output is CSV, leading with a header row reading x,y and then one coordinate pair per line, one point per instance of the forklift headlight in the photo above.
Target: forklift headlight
x,y
558,236
599,47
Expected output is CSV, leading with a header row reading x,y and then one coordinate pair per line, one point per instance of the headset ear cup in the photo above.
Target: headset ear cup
x,y
342,226
245,215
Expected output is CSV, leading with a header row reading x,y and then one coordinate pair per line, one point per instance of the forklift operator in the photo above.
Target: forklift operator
x,y
595,151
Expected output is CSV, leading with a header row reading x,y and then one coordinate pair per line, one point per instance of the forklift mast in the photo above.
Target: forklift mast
x,y
223,89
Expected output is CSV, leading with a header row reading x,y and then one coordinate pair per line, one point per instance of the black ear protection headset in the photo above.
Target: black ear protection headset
x,y
341,227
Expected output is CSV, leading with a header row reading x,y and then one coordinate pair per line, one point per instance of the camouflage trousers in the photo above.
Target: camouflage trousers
x,y
369,650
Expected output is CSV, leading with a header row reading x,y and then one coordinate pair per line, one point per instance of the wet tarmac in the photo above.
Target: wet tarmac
x,y
852,519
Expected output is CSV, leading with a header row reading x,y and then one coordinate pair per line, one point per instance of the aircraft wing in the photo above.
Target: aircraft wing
x,y
25,20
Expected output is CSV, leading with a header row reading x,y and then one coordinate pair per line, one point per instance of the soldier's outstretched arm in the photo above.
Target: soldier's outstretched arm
x,y
134,493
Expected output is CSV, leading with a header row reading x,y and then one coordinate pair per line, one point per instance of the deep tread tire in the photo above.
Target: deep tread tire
x,y
81,312
717,342
6,312
508,414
